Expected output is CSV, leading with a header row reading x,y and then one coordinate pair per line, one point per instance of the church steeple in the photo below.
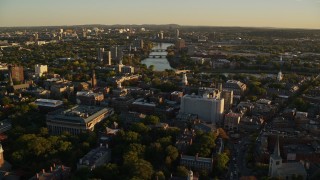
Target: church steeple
x,y
275,160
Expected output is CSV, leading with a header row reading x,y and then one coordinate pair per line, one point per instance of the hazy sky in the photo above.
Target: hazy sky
x,y
258,13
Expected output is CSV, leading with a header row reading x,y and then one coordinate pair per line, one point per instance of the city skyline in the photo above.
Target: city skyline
x,y
247,13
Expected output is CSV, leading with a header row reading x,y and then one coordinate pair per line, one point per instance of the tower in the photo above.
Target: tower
x,y
116,52
177,34
109,58
1,156
10,75
280,75
184,79
100,54
93,79
275,160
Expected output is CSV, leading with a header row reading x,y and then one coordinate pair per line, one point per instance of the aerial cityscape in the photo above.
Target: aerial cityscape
x,y
166,90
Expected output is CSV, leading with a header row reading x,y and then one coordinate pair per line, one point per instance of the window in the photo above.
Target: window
x,y
277,162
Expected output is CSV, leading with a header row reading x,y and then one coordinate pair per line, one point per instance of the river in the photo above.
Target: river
x,y
160,64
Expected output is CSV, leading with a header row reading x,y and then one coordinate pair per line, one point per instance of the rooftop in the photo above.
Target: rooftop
x,y
80,114
292,168
87,93
194,158
48,102
91,158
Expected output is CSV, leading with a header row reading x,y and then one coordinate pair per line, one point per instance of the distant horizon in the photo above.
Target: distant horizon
x,y
297,14
168,24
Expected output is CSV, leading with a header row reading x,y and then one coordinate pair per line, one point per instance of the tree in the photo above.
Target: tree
x,y
154,154
81,174
203,144
137,148
109,171
151,67
142,169
182,171
171,155
151,120
5,101
159,175
139,128
222,161
165,141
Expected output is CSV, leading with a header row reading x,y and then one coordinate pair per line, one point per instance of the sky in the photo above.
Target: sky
x,y
245,13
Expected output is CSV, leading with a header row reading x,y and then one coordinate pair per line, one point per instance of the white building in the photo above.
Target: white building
x,y
208,109
40,69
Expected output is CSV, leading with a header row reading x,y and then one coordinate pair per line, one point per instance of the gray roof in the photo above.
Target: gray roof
x,y
80,114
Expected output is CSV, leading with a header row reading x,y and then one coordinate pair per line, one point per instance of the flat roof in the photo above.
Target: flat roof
x,y
88,93
144,104
48,102
80,114
193,158
92,156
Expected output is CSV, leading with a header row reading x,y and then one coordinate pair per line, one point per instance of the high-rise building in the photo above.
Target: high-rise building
x,y
109,58
40,69
280,75
100,54
116,53
161,35
138,43
177,33
208,109
16,73
228,99
180,44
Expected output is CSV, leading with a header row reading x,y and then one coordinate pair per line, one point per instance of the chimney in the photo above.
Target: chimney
x,y
54,165
43,171
51,169
37,176
107,146
100,144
